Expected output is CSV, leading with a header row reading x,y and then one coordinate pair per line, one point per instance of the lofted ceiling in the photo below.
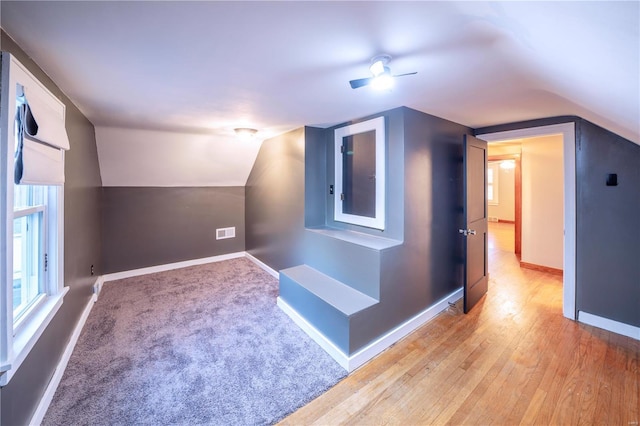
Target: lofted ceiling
x,y
207,67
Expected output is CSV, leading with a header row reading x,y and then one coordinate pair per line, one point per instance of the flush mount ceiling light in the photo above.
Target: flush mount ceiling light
x,y
508,164
382,78
245,132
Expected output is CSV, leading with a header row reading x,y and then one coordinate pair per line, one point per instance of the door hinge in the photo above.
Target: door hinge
x,y
46,262
342,149
341,197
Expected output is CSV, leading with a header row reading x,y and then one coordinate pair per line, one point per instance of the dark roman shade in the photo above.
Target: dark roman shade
x,y
41,138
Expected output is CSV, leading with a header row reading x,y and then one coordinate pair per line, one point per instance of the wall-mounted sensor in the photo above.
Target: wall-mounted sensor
x,y
612,179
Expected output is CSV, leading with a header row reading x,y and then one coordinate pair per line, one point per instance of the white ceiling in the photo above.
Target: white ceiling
x,y
208,67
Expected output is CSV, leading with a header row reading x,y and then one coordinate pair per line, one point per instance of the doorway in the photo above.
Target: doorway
x,y
505,193
568,230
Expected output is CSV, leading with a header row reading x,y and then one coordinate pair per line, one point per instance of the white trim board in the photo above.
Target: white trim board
x,y
170,266
568,132
45,401
263,265
609,325
359,358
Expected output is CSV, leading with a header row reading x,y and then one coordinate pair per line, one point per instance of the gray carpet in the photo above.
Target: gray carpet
x,y
199,345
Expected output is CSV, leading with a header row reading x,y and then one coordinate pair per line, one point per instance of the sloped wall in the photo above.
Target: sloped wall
x,y
82,214
149,158
274,203
166,193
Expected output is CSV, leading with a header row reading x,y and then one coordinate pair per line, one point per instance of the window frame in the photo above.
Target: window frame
x,y
378,125
17,338
27,212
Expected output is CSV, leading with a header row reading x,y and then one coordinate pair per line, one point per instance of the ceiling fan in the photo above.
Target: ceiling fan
x,y
382,78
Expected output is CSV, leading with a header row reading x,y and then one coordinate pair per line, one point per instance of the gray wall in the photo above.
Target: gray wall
x,y
423,210
394,137
607,232
274,203
19,399
144,226
316,189
427,266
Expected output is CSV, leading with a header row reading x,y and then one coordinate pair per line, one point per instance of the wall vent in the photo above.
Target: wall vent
x,y
492,219
222,233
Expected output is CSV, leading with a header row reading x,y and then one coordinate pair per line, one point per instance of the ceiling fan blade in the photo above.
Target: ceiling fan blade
x,y
360,82
409,73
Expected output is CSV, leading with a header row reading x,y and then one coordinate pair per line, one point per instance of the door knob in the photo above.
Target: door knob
x,y
467,232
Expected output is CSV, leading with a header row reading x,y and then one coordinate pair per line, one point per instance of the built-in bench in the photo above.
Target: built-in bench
x,y
326,303
359,238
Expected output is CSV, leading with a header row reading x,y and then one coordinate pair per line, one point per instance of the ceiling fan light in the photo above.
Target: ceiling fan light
x,y
383,82
377,68
245,132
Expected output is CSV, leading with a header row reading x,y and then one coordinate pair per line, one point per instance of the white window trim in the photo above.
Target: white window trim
x,y
377,125
16,342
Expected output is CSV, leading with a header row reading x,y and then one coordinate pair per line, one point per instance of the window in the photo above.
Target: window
x,y
493,172
29,248
360,174
31,216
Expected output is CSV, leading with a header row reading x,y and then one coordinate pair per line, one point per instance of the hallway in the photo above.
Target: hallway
x,y
514,359
501,237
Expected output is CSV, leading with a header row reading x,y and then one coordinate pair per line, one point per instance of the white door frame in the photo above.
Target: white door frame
x,y
567,130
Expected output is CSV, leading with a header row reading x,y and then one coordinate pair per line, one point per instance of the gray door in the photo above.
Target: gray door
x,y
476,274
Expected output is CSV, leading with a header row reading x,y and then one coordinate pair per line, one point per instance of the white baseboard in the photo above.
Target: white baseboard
x,y
609,325
170,266
263,265
97,287
328,346
351,362
43,405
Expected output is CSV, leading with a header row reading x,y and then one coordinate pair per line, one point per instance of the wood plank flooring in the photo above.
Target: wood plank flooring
x,y
514,359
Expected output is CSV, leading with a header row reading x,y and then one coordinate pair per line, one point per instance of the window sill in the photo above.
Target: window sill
x,y
29,333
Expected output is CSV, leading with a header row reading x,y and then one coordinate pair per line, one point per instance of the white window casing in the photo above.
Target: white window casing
x,y
377,125
43,157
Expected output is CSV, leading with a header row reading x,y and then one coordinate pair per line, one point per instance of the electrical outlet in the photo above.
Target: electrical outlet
x,y
92,271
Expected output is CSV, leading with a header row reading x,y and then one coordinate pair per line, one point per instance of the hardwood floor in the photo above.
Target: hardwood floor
x,y
514,359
